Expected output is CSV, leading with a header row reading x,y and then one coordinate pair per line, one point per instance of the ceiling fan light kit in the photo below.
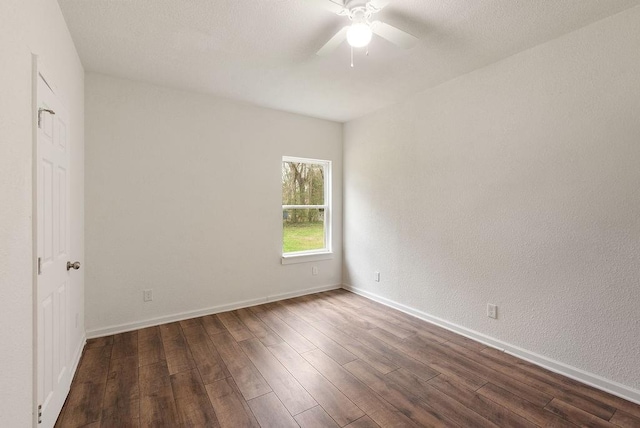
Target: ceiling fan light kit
x,y
359,33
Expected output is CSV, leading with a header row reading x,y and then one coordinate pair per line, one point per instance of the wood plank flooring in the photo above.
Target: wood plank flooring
x,y
332,359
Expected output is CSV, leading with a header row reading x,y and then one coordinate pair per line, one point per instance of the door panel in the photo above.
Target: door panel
x,y
47,212
62,213
53,242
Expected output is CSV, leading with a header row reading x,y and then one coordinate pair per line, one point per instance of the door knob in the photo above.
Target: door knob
x,y
74,265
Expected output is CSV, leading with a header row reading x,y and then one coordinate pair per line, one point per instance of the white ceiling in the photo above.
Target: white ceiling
x,y
263,51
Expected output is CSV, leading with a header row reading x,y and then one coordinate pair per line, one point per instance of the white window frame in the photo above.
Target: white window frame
x,y
326,252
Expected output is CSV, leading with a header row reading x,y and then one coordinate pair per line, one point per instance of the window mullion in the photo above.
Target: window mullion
x,y
304,207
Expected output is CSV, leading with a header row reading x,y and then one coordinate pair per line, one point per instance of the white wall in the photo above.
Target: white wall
x,y
184,197
26,27
517,184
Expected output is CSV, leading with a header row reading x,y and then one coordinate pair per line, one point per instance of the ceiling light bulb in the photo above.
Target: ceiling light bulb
x,y
359,35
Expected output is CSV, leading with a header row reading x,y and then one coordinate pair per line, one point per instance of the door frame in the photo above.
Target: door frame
x,y
36,69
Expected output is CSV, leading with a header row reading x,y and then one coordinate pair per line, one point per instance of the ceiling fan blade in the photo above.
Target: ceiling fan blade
x,y
394,35
334,42
331,6
379,4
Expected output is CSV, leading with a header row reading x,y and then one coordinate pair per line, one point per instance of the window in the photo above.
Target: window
x,y
306,208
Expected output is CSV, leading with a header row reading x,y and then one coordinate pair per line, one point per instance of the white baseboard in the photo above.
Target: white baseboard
x,y
590,379
121,328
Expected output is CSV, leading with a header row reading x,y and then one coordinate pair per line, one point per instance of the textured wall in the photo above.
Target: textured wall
x,y
184,197
27,27
517,184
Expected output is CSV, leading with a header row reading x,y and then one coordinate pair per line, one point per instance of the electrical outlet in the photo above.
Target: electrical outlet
x,y
492,311
147,295
314,270
376,276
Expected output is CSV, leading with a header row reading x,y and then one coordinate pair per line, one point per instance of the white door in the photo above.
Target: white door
x,y
53,239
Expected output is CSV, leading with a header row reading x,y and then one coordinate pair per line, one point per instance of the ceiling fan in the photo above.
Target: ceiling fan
x,y
358,34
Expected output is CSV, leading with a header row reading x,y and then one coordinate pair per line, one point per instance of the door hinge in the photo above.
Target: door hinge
x,y
39,265
39,413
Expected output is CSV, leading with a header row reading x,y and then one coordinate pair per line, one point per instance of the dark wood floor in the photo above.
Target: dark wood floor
x,y
324,360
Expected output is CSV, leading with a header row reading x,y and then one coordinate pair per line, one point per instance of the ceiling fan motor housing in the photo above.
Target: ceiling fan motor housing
x,y
359,15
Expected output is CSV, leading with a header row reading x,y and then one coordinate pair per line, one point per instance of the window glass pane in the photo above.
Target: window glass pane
x,y
302,184
303,230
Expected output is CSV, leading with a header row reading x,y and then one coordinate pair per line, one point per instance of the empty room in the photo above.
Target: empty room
x,y
320,213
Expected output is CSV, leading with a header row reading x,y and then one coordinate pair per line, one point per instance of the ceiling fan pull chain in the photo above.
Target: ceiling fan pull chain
x,y
351,56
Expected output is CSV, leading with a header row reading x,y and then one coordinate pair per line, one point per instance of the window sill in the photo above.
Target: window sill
x,y
304,258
